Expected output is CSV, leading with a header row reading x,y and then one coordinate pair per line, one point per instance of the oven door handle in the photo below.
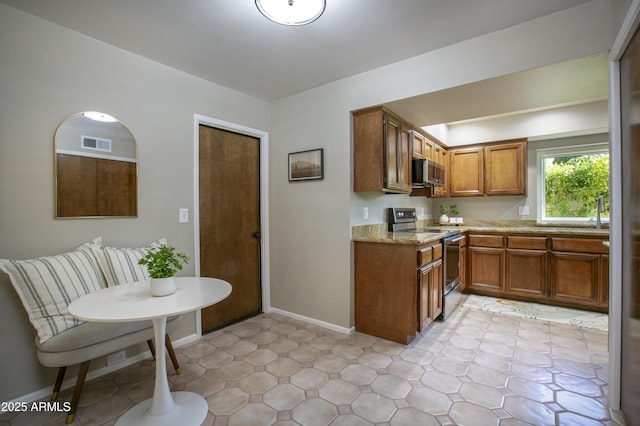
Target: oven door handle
x,y
455,239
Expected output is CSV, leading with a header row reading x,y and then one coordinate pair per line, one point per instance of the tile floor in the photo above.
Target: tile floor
x,y
478,368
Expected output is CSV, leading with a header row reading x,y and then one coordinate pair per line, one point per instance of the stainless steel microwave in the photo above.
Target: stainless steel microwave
x,y
426,172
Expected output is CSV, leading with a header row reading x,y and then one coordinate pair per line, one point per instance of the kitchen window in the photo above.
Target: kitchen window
x,y
571,180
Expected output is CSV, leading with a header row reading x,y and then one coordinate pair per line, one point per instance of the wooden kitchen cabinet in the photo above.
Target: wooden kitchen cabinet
x,y
486,264
580,272
397,147
382,152
486,270
467,172
464,253
437,154
564,271
430,291
425,148
398,288
505,169
428,149
497,168
418,142
574,277
526,266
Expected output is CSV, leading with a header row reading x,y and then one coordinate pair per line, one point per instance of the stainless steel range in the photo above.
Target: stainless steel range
x,y
405,220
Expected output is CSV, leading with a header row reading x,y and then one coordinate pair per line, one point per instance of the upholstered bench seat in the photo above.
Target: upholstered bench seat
x,y
92,340
47,285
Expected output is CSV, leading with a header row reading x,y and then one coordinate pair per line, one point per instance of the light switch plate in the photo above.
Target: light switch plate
x,y
183,215
523,210
365,213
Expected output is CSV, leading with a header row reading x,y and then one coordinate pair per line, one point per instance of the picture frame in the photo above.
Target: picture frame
x,y
306,165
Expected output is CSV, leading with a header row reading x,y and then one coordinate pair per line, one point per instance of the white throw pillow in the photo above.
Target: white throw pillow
x,y
47,285
120,265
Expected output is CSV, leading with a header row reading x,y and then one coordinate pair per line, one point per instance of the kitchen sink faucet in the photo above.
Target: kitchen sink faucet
x,y
599,210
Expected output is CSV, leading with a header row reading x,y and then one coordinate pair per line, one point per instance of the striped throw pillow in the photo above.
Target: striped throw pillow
x,y
120,265
47,285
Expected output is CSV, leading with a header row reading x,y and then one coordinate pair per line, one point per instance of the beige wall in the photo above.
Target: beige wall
x,y
48,73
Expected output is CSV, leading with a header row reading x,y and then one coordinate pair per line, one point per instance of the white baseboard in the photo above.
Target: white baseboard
x,y
324,324
69,383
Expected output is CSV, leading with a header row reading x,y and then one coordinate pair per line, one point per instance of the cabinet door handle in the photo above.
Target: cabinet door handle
x,y
256,235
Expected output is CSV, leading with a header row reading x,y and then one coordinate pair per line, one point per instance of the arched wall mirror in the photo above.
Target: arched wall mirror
x,y
96,169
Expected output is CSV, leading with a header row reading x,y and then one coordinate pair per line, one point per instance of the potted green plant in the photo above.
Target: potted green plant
x,y
447,210
162,262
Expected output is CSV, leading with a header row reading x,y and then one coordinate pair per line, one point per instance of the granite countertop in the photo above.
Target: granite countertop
x,y
378,233
383,236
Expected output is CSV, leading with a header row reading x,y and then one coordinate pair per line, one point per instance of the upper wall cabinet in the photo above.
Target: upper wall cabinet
x,y
382,152
419,144
497,168
424,148
466,172
95,167
505,168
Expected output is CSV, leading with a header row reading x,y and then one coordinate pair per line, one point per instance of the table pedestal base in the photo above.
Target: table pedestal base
x,y
189,409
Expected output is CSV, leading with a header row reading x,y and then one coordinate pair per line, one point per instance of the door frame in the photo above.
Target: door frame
x,y
264,201
628,28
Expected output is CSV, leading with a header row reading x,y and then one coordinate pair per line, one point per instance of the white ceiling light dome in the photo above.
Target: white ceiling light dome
x,y
291,12
100,116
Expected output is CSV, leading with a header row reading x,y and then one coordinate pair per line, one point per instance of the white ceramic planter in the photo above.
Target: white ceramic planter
x,y
444,219
162,286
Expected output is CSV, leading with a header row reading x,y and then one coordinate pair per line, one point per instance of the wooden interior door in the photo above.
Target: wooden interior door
x,y
630,126
229,194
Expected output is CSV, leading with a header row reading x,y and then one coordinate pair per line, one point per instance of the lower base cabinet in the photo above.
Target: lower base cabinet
x,y
579,273
564,271
431,289
575,277
397,289
486,270
526,272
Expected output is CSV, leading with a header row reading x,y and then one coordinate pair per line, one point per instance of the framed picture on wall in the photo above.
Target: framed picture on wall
x,y
306,165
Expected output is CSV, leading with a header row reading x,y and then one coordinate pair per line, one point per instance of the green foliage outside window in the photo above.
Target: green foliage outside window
x,y
573,184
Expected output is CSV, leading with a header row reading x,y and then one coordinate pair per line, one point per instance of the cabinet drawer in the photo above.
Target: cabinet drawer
x,y
437,251
581,245
425,256
531,243
486,240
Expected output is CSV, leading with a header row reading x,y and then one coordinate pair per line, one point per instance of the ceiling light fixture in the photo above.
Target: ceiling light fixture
x,y
291,12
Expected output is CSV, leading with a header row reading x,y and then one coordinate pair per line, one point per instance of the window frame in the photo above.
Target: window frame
x,y
573,150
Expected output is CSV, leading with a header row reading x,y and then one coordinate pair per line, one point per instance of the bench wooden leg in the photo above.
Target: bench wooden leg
x,y
170,351
172,354
58,384
82,374
152,348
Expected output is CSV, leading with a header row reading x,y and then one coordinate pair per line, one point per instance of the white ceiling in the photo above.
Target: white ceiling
x,y
574,82
230,43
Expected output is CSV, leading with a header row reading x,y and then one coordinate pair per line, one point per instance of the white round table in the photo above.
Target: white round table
x,y
133,302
